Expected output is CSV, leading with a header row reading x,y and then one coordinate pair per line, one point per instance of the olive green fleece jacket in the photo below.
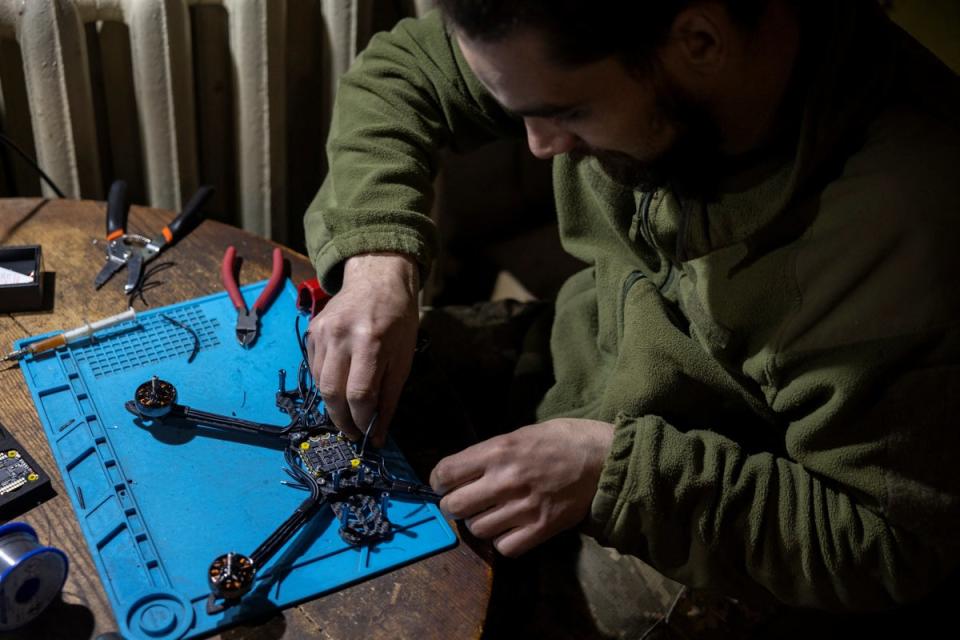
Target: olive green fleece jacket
x,y
780,362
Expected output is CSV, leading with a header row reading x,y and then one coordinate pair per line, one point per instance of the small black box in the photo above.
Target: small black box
x,y
27,260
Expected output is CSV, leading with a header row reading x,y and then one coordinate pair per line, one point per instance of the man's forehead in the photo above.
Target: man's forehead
x,y
518,72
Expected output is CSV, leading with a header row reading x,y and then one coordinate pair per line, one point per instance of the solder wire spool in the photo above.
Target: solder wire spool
x,y
31,575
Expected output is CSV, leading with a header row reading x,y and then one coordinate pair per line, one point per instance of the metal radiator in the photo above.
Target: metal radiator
x,y
171,93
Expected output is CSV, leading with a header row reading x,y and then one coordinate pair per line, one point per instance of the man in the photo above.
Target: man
x,y
757,374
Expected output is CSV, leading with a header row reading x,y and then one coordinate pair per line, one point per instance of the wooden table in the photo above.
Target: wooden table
x,y
444,596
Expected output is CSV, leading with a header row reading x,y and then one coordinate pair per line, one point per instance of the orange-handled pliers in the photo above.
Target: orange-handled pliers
x,y
247,327
133,251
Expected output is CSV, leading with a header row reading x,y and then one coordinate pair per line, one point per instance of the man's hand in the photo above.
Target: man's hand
x,y
361,344
523,487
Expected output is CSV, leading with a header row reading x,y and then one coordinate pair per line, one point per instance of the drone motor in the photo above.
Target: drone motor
x,y
155,398
231,576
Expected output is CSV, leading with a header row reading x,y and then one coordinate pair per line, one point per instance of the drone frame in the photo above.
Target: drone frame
x,y
330,468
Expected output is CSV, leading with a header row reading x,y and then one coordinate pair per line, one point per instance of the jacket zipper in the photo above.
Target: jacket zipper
x,y
645,230
635,276
632,279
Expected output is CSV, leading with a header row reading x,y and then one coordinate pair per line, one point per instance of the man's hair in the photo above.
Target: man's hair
x,y
584,31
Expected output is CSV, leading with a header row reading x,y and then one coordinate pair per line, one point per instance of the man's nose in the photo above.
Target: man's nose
x,y
546,139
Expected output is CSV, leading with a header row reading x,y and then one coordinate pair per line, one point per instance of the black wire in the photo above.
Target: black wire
x,y
292,475
146,284
196,338
32,163
301,339
301,474
302,378
305,383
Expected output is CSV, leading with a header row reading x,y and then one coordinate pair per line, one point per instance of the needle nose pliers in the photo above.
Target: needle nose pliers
x,y
247,327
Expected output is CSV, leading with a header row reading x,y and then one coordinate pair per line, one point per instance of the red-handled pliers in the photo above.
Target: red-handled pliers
x,y
247,327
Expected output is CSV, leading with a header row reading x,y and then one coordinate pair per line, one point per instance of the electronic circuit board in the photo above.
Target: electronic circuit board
x,y
15,472
326,453
23,484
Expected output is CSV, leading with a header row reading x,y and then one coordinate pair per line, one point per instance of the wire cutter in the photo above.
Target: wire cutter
x,y
134,251
247,327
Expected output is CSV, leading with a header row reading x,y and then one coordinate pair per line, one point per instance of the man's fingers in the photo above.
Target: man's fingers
x,y
315,355
469,464
470,499
499,519
332,385
518,541
363,391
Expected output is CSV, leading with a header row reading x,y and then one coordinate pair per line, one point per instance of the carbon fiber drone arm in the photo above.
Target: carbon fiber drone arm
x,y
232,575
156,400
386,481
215,420
285,531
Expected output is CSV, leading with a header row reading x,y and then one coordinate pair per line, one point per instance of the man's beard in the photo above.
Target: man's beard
x,y
690,166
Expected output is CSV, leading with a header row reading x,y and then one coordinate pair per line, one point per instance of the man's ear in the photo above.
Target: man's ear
x,y
699,37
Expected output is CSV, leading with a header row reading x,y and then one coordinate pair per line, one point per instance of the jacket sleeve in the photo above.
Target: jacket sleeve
x,y
409,95
858,508
861,514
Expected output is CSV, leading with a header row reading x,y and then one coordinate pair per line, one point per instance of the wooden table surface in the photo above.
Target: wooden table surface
x,y
444,596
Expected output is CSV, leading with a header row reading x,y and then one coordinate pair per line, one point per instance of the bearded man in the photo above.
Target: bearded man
x,y
756,375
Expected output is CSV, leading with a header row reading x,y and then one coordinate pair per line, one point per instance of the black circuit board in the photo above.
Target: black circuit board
x,y
15,472
23,484
326,453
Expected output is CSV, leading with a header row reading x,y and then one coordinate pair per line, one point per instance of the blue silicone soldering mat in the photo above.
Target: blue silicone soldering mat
x,y
158,503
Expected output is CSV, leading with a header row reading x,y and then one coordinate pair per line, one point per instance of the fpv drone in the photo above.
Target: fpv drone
x,y
352,482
